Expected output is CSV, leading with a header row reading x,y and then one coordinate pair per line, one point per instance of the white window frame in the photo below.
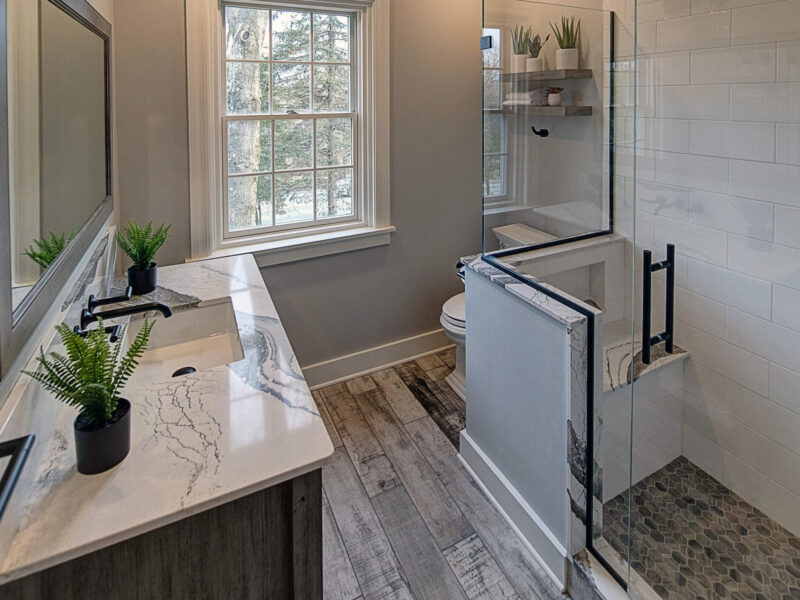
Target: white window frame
x,y
501,200
206,84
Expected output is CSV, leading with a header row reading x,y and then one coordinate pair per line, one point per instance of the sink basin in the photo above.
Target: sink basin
x,y
200,337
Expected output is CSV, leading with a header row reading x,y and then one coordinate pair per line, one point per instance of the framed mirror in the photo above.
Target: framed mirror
x,y
55,168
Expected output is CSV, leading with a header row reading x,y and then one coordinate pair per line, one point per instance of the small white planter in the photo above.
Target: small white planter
x,y
535,64
554,99
567,58
518,63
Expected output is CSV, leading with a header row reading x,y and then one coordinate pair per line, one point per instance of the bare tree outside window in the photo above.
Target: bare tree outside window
x,y
289,121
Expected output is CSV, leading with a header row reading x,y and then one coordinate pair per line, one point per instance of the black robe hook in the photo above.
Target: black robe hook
x,y
540,132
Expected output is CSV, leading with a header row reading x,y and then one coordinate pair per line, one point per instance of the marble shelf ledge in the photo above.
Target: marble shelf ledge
x,y
619,350
529,294
198,441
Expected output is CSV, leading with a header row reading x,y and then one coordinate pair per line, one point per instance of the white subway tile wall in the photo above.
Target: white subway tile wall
x,y
717,144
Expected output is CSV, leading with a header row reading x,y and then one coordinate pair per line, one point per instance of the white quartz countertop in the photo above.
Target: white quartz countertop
x,y
198,441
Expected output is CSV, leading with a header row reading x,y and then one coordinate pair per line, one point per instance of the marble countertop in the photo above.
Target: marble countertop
x,y
198,441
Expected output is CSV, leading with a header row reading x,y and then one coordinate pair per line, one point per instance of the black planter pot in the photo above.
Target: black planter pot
x,y
103,447
143,281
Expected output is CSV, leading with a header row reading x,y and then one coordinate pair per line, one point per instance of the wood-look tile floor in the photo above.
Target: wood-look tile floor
x,y
401,516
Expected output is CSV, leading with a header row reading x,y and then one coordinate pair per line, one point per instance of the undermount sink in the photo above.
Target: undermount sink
x,y
194,338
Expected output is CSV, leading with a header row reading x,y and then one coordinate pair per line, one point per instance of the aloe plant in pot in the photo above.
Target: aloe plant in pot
x,y
535,44
567,37
520,36
141,244
90,376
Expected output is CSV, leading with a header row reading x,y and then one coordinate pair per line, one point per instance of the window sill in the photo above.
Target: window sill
x,y
314,245
501,208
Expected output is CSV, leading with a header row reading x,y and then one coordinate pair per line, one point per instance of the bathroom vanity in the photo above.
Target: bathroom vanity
x,y
220,495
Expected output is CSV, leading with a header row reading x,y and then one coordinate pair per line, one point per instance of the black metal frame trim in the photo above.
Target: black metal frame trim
x,y
18,450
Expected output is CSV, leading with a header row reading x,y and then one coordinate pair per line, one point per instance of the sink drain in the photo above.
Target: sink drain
x,y
184,371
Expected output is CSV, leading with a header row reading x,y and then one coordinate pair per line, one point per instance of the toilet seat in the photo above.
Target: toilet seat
x,y
454,310
449,323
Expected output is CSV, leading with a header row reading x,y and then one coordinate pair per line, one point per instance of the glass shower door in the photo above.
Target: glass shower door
x,y
713,505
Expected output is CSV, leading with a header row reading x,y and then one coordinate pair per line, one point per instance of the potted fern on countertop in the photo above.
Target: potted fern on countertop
x,y
90,376
567,37
535,44
45,250
520,36
141,245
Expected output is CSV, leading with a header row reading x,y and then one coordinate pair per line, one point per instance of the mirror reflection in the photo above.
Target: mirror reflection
x,y
58,152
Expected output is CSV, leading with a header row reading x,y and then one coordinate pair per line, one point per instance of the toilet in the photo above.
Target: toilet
x,y
454,311
454,322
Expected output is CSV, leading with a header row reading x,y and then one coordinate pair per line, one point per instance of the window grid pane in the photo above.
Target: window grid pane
x,y
495,161
291,176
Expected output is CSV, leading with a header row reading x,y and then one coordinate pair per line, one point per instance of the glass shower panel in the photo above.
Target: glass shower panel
x,y
547,129
560,153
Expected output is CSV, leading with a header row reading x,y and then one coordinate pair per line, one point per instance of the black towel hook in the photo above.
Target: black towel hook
x,y
540,132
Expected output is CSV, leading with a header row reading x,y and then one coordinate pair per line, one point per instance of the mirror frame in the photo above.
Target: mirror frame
x,y
16,326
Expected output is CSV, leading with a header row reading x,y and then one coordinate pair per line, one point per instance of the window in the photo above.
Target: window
x,y
289,121
288,126
495,154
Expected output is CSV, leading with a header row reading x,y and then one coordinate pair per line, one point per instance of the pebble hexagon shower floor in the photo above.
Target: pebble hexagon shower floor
x,y
695,539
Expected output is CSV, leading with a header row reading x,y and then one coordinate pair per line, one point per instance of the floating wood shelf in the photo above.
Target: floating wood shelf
x,y
551,111
556,75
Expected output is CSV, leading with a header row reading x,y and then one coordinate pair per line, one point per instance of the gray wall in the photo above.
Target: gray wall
x,y
152,139
340,304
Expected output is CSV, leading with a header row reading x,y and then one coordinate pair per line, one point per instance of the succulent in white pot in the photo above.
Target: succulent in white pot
x,y
567,37
520,37
554,96
535,62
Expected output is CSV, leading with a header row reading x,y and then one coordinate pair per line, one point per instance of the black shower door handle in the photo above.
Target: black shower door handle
x,y
667,336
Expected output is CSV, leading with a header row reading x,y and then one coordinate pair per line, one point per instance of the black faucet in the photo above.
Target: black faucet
x,y
113,313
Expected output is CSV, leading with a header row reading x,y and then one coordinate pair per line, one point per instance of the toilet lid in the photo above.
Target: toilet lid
x,y
455,309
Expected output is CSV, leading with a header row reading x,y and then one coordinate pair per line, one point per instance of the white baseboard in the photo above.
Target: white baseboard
x,y
542,543
374,359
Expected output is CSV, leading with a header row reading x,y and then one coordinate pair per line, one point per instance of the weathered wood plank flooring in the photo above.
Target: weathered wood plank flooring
x,y
402,518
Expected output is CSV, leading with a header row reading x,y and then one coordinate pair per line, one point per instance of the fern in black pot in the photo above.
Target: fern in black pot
x,y
90,375
141,244
45,250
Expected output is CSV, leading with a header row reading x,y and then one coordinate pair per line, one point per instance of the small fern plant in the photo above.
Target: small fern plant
x,y
92,372
45,250
142,243
520,38
568,34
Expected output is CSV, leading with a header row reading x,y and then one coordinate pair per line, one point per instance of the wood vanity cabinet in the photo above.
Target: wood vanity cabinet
x,y
265,546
